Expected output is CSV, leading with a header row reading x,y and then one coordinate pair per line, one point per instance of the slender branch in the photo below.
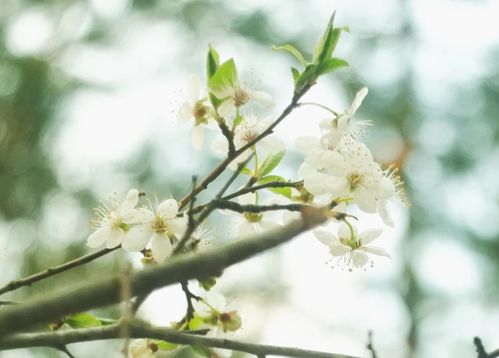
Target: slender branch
x,y
250,208
370,345
480,349
273,184
227,133
51,271
105,291
233,177
140,330
221,167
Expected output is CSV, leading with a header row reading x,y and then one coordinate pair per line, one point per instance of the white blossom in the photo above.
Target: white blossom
x,y
237,95
114,220
142,348
350,247
254,223
344,123
160,227
194,110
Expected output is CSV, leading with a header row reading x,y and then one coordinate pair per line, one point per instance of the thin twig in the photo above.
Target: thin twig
x,y
51,271
370,345
65,350
222,165
233,177
227,133
480,349
141,330
274,184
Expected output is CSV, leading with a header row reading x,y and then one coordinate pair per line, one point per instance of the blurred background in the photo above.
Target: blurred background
x,y
88,97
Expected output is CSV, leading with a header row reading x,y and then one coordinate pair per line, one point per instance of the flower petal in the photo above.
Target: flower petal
x,y
115,238
339,250
359,98
178,225
168,208
98,237
378,251
131,200
137,238
359,258
369,235
185,112
193,88
326,238
161,247
197,137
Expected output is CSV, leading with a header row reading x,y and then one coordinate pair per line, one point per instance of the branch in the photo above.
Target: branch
x,y
480,349
250,208
221,167
51,271
106,291
273,184
140,330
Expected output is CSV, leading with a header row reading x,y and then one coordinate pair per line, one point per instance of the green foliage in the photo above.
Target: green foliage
x,y
293,51
82,320
226,75
270,163
276,178
165,346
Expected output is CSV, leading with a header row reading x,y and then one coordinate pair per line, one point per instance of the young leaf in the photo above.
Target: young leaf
x,y
202,351
296,74
82,320
107,321
226,75
309,75
196,322
286,191
293,51
166,346
330,65
212,62
326,44
237,120
246,171
270,163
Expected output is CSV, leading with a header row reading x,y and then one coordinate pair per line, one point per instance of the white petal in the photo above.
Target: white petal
x,y
138,216
115,238
194,88
227,109
98,237
197,137
386,189
247,229
359,258
339,250
131,200
359,98
369,235
261,97
326,238
378,251
137,238
178,225
161,248
219,145
185,112
382,207
168,208
365,200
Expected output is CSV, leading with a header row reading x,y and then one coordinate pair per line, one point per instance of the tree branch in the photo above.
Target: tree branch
x,y
221,167
106,291
141,330
51,271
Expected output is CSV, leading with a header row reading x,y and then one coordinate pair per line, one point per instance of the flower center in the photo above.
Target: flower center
x,y
240,97
199,112
159,224
253,217
355,179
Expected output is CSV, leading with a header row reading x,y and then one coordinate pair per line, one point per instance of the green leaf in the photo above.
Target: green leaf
x,y
309,75
82,320
215,102
270,163
330,65
208,283
196,323
293,51
237,120
166,346
212,62
226,75
246,171
276,178
296,74
325,47
107,321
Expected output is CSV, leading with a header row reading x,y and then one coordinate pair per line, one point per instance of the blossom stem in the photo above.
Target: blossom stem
x,y
318,105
